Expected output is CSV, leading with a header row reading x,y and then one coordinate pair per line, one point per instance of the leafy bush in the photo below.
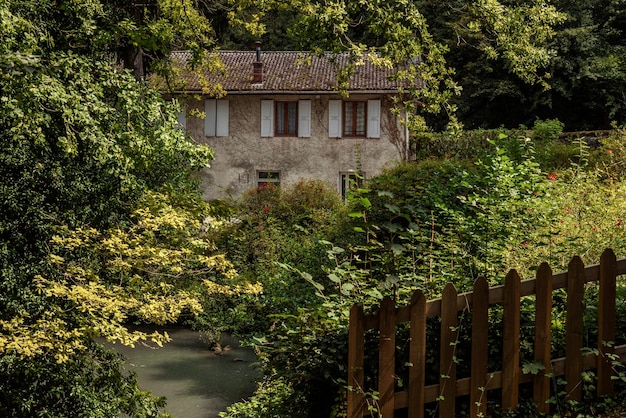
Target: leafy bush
x,y
418,226
547,130
268,227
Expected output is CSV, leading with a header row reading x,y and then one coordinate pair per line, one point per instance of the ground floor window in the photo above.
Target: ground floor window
x,y
264,178
349,181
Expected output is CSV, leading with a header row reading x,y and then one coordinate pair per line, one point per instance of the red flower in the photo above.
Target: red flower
x,y
566,210
266,208
609,150
619,222
552,176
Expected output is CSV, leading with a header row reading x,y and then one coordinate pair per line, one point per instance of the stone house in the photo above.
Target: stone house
x,y
283,119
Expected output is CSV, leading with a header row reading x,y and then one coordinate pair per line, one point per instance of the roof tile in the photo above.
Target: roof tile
x,y
288,71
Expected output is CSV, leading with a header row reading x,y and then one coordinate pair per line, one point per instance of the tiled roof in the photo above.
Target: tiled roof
x,y
287,71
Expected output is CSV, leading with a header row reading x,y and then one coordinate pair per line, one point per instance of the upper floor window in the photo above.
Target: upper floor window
x,y
215,117
354,118
286,116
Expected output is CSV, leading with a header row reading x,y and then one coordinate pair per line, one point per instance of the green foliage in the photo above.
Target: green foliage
x,y
92,385
401,33
455,221
585,72
609,158
274,397
547,130
271,226
420,225
82,142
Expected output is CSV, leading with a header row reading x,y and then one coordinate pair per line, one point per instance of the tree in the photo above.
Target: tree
x,y
416,36
82,146
584,79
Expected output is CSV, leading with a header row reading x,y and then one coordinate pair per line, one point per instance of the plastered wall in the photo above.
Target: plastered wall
x,y
241,155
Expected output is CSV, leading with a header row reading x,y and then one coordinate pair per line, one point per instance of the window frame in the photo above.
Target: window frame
x,y
349,180
284,115
355,106
263,182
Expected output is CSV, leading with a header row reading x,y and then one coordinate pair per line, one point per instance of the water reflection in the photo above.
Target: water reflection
x,y
196,382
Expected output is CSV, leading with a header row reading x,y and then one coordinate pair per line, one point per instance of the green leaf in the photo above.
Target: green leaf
x,y
532,367
365,202
397,249
333,278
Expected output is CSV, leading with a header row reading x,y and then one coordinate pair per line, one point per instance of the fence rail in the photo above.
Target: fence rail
x,y
481,381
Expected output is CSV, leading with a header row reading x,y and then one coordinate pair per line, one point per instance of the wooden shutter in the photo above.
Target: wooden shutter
x,y
221,118
373,118
267,118
210,117
334,118
304,118
182,118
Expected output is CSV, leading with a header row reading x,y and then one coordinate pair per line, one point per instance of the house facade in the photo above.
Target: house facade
x,y
283,119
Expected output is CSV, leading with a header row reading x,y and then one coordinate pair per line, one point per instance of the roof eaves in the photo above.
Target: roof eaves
x,y
292,92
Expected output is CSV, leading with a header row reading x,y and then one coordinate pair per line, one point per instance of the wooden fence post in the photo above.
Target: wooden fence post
x,y
417,355
510,344
387,357
447,308
543,336
606,321
574,328
447,350
356,347
480,348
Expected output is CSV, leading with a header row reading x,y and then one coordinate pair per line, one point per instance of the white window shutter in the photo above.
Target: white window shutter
x,y
210,117
334,118
221,118
182,118
373,118
267,118
304,118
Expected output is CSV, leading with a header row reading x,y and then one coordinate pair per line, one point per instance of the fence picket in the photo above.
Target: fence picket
x,y
447,363
481,380
510,343
606,321
387,357
480,348
543,337
574,328
417,355
356,357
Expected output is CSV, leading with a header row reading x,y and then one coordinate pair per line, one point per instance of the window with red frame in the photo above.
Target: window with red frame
x,y
354,118
286,115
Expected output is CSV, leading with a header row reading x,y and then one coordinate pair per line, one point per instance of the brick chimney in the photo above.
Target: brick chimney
x,y
257,66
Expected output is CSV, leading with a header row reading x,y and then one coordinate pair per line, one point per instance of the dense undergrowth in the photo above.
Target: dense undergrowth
x,y
477,205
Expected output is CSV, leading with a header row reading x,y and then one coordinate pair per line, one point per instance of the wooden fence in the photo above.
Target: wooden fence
x,y
481,381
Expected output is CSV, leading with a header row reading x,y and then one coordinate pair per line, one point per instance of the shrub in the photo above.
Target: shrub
x,y
547,130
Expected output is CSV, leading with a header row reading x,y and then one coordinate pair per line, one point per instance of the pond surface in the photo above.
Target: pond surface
x,y
196,382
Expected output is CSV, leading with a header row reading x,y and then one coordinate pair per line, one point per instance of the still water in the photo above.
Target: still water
x,y
196,382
